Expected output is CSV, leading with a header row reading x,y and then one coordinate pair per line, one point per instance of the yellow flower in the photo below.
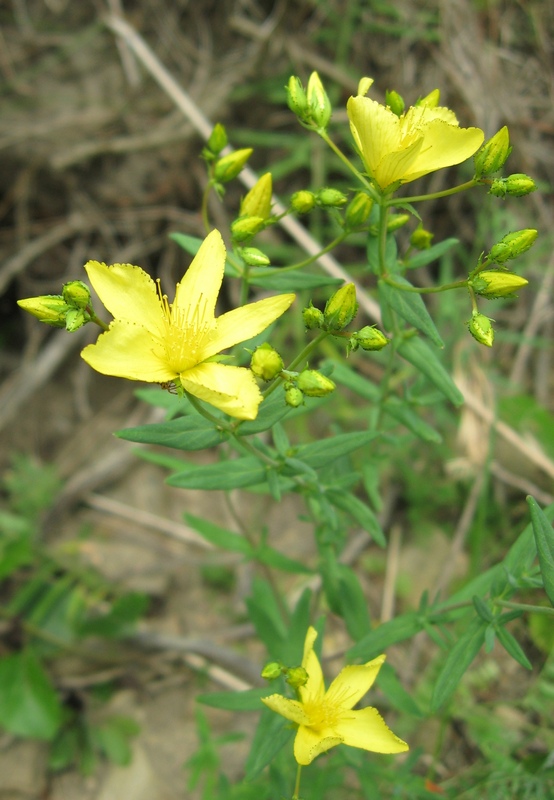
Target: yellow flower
x,y
156,341
326,718
403,148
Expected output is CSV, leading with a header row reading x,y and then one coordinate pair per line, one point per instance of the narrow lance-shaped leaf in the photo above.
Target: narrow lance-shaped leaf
x,y
544,537
458,661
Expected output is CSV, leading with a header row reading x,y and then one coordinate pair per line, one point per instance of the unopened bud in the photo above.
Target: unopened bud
x,y
296,677
358,210
430,100
330,198
49,308
296,97
516,185
313,317
396,221
272,671
254,257
497,283
76,294
512,245
293,396
341,308
217,140
493,153
481,329
75,319
319,105
313,384
421,239
368,338
364,86
245,228
395,102
302,201
229,166
266,363
257,203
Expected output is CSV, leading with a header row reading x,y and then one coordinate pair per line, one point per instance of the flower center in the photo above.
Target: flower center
x,y
322,714
187,334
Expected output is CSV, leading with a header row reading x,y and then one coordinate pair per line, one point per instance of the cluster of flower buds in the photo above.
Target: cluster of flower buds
x,y
70,310
308,383
491,157
254,216
311,105
223,169
294,676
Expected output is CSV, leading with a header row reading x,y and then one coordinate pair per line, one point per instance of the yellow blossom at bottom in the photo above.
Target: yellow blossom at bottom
x,y
326,718
153,340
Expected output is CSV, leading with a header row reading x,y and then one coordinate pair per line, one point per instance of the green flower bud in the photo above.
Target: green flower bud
x,y
512,245
75,319
430,100
319,105
245,228
496,283
313,317
358,210
313,384
76,294
493,154
254,257
218,139
296,97
368,338
293,396
229,166
341,308
396,221
272,671
395,102
296,677
330,198
481,329
421,239
257,202
49,308
266,363
303,201
516,185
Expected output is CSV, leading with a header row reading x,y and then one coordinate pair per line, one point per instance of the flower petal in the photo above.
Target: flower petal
x,y
231,389
128,350
445,145
352,683
247,321
309,744
128,292
367,729
314,689
290,709
375,128
196,294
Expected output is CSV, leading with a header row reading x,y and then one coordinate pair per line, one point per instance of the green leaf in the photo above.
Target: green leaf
x,y
378,640
325,451
272,734
353,602
400,699
270,412
236,474
124,613
220,537
424,257
404,414
184,433
299,623
347,377
410,306
112,738
248,700
267,618
292,281
273,558
361,512
544,538
512,647
458,661
29,705
191,244
418,353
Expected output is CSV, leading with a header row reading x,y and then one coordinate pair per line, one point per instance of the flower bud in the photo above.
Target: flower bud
x,y
296,97
481,329
75,319
396,221
296,677
330,198
76,294
229,166
257,203
341,308
313,384
358,210
245,228
493,283
49,308
368,338
516,185
395,102
293,396
493,153
218,139
266,363
512,245
272,671
254,257
319,105
313,317
303,201
364,86
421,239
430,100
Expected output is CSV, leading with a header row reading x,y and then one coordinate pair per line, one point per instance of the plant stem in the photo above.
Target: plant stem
x,y
296,795
525,607
294,363
367,185
426,290
434,195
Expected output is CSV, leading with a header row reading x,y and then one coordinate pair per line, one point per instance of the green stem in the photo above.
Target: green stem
x,y
340,238
97,320
204,206
434,195
296,361
427,290
296,795
346,161
525,607
384,212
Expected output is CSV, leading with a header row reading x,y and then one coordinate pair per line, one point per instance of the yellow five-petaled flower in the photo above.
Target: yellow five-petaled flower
x,y
327,718
400,148
156,341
